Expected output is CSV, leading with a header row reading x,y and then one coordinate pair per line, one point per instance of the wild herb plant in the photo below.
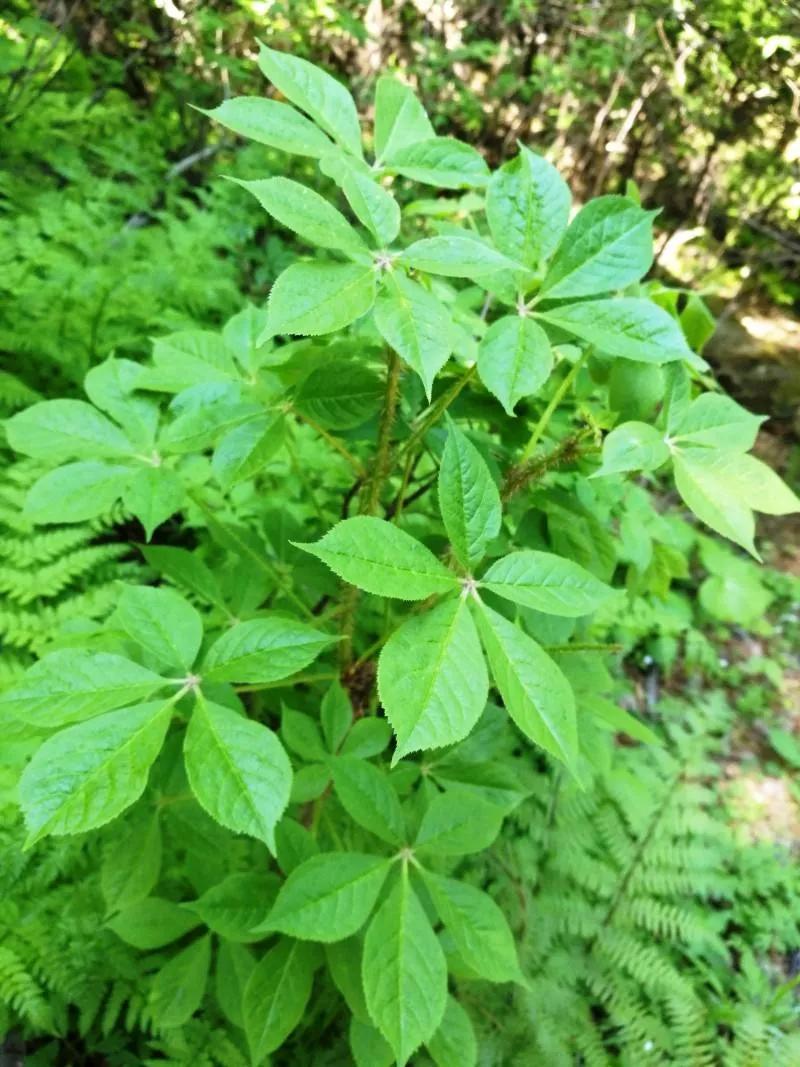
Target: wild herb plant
x,y
392,502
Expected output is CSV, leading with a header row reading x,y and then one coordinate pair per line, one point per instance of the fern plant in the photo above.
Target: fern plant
x,y
643,921
430,411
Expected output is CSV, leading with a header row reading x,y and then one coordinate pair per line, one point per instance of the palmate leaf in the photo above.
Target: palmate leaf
x,y
514,359
458,822
404,972
310,215
400,119
153,495
152,923
454,1044
373,206
379,558
440,161
236,905
316,298
546,582
716,421
76,492
724,488
456,257
178,988
432,678
416,325
276,995
321,96
263,650
634,446
626,326
73,684
608,245
131,861
162,623
468,498
366,794
57,430
84,776
329,897
238,770
527,208
535,693
477,926
271,123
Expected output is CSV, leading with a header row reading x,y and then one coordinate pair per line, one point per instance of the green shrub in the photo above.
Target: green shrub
x,y
399,521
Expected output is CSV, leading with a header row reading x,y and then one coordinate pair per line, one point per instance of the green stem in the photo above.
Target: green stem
x,y
371,498
436,410
522,474
579,646
558,396
381,469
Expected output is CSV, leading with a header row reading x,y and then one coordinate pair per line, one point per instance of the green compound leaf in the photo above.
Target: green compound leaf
x,y
75,492
152,923
527,208
329,897
454,1043
455,257
400,119
316,298
458,822
477,926
432,678
724,488
608,245
547,583
153,495
373,206
236,905
336,716
634,446
271,123
368,797
276,995
84,776
234,966
246,449
263,650
536,694
626,326
380,559
514,359
162,623
72,684
441,161
238,770
178,988
468,499
404,972
57,430
341,394
416,325
322,97
718,422
308,214
131,861
369,1048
